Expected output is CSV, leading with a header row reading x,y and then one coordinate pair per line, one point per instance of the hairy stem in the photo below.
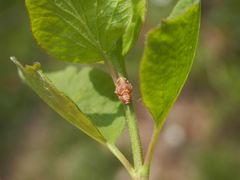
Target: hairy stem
x,y
117,67
134,136
140,178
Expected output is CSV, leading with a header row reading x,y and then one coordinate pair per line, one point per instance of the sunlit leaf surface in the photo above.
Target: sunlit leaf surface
x,y
168,58
83,97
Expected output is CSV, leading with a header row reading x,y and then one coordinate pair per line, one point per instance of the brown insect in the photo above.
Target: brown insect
x,y
124,90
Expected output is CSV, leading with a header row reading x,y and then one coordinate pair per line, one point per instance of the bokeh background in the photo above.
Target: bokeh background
x,y
200,140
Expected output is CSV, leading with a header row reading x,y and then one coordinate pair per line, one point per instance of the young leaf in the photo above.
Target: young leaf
x,y
80,98
132,31
168,58
93,92
83,31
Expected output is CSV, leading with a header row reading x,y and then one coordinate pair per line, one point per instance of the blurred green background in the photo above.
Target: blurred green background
x,y
200,141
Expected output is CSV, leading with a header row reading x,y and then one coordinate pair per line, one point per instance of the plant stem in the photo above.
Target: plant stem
x,y
151,148
134,136
117,68
142,174
140,178
121,158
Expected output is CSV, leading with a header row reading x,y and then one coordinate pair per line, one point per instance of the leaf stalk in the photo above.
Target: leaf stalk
x,y
151,148
121,158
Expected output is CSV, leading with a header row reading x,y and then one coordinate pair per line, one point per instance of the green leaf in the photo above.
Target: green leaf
x,y
134,26
168,58
83,31
79,97
93,92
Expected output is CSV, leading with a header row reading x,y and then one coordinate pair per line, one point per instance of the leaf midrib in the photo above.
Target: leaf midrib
x,y
75,28
169,104
96,44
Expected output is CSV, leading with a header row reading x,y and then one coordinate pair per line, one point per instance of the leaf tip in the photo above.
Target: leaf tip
x,y
14,59
16,62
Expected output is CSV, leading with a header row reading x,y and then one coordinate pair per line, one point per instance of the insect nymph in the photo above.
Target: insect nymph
x,y
124,90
